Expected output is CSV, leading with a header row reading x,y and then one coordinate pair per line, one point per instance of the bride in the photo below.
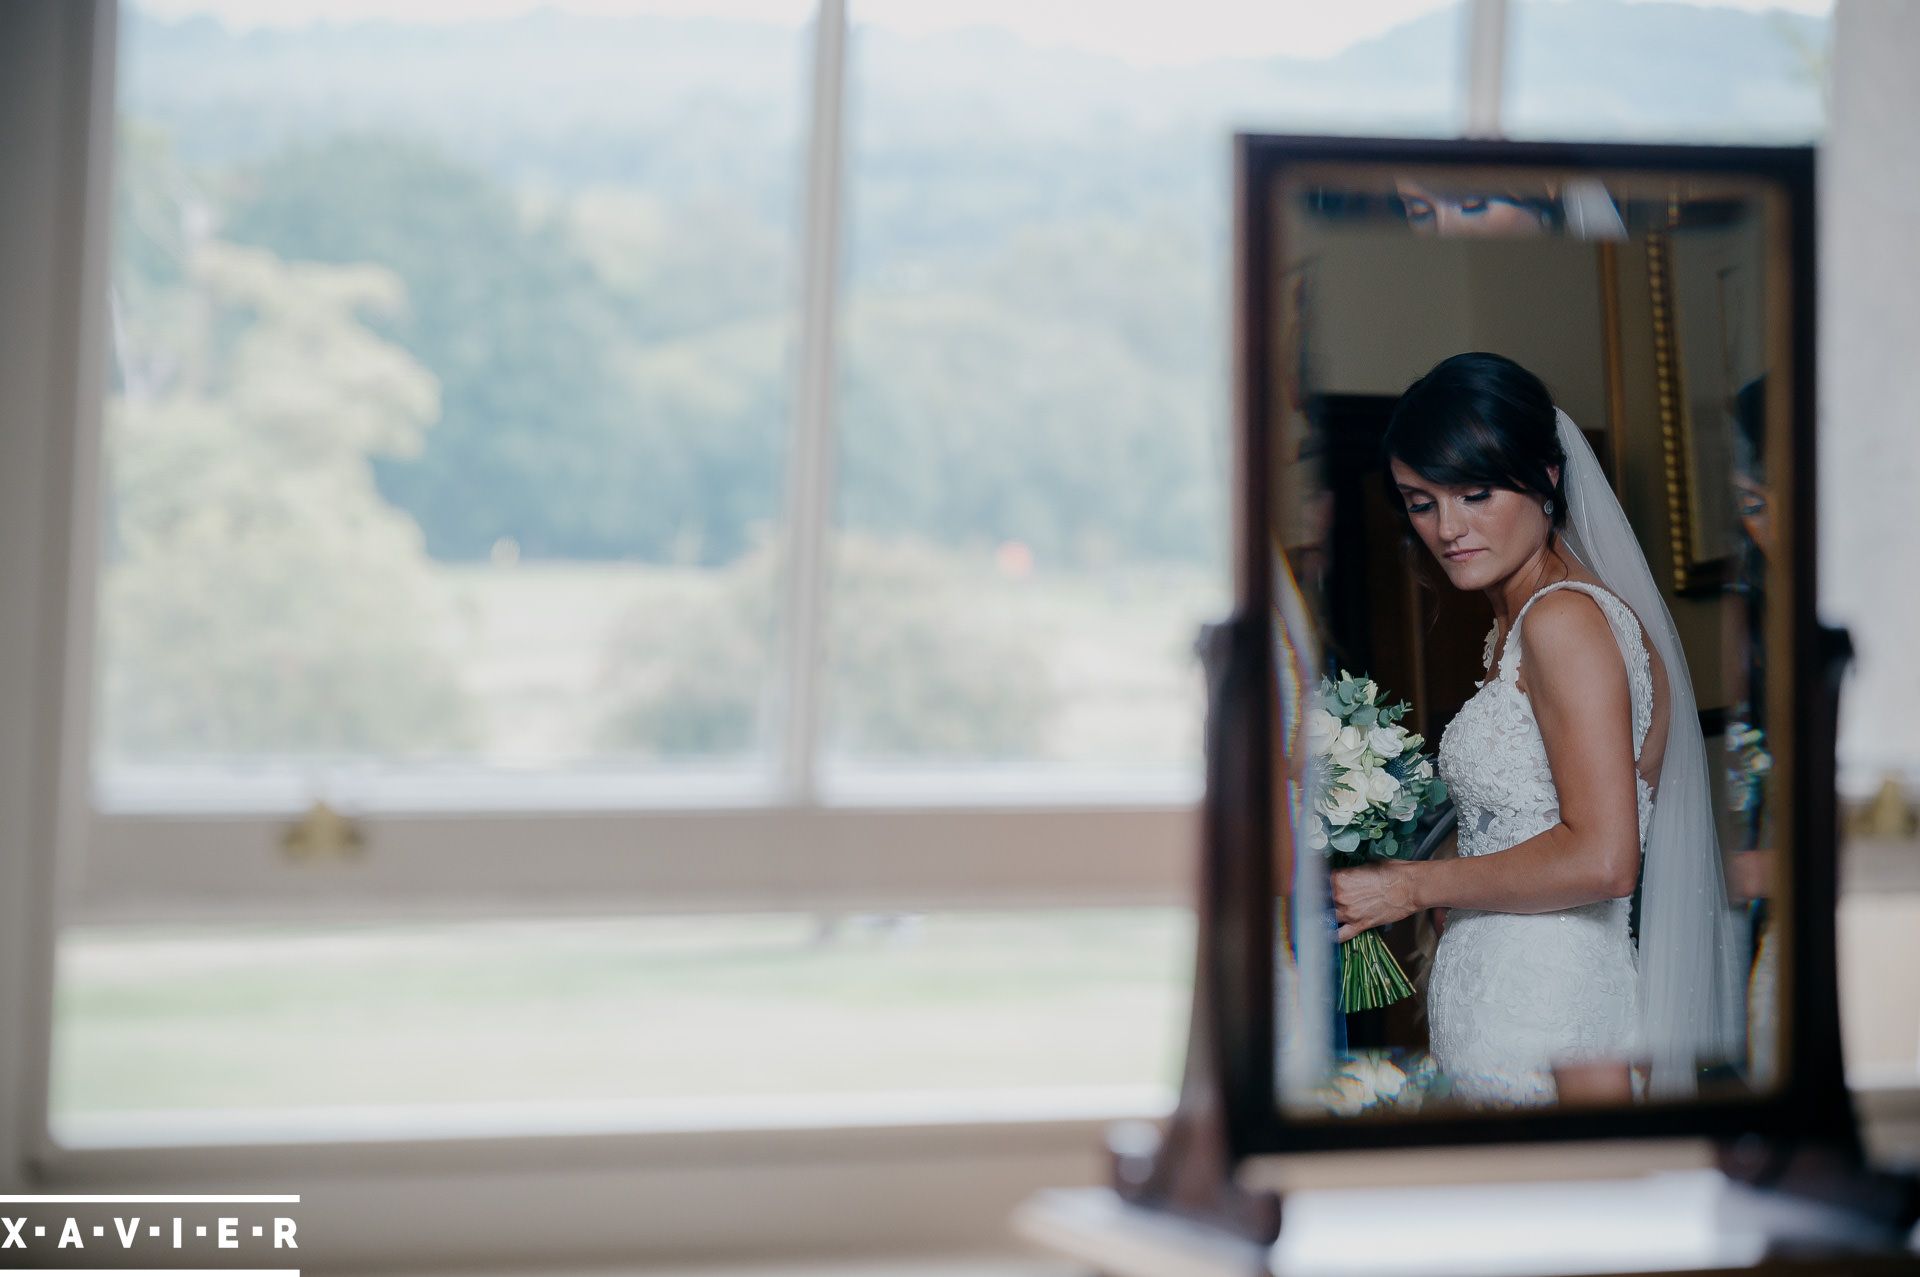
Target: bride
x,y
1578,772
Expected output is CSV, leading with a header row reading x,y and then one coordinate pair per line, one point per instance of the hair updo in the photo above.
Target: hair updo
x,y
1478,418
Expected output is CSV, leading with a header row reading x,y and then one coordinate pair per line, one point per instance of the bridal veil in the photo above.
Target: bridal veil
x,y
1692,987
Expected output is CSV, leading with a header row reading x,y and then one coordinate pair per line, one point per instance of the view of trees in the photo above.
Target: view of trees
x,y
259,596
392,301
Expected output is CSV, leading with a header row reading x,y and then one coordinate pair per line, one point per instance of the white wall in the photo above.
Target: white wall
x,y
1870,380
1387,306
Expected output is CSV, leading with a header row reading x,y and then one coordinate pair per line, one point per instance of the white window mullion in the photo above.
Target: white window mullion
x,y
1485,85
812,452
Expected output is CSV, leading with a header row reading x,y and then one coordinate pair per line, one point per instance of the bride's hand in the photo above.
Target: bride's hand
x,y
1372,895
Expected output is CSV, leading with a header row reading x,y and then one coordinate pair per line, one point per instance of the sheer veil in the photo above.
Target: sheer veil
x,y
1691,986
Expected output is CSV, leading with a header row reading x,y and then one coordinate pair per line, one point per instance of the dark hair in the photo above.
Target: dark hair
x,y
1478,418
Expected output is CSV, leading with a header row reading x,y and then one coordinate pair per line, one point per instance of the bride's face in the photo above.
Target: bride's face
x,y
1478,534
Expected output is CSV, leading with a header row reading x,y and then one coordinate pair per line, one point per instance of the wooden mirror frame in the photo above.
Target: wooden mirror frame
x,y
1228,1110
1812,1098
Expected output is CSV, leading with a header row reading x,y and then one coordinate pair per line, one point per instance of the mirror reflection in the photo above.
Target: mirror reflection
x,y
1521,541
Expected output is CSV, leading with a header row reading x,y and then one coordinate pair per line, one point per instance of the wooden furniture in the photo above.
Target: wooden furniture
x,y
1775,1178
1676,1221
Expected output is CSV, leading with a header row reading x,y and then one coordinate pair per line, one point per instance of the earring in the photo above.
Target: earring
x,y
1547,509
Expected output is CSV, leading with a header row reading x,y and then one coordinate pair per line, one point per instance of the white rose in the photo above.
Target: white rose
x,y
1387,741
1340,806
1348,1095
1370,691
1423,770
1322,728
1403,806
1381,786
1348,746
1380,1075
1363,1082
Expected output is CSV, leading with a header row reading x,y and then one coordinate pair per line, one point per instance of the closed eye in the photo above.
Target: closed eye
x,y
1421,507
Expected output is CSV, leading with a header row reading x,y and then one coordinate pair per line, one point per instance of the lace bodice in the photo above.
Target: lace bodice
x,y
1491,754
1511,995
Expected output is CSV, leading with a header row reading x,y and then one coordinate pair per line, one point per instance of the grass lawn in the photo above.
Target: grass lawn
x,y
616,1009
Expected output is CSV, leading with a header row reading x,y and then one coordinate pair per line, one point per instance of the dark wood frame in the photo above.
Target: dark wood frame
x,y
1812,1103
1804,1134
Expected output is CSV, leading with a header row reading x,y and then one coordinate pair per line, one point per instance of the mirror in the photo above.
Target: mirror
x,y
1538,793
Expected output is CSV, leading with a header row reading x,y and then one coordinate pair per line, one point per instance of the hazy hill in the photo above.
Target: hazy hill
x,y
564,97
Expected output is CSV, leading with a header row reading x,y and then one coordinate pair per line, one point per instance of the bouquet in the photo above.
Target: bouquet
x,y
1369,784
1384,1080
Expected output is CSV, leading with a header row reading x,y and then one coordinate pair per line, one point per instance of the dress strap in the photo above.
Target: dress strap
x,y
1509,669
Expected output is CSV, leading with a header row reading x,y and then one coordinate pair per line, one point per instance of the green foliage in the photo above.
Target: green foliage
x,y
615,371
692,682
261,597
966,421
594,222
1377,829
576,419
913,672
920,672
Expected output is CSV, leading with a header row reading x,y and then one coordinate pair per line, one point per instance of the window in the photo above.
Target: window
x,y
1723,71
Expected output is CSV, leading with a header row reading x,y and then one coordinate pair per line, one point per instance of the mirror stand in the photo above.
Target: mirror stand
x,y
1185,1167
1823,1160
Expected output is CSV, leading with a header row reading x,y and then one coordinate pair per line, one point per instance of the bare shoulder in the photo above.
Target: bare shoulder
x,y
1566,637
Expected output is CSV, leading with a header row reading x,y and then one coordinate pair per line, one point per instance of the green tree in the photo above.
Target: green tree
x,y
968,422
914,671
262,597
546,436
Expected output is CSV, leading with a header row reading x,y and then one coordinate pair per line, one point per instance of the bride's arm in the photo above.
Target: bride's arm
x,y
1577,683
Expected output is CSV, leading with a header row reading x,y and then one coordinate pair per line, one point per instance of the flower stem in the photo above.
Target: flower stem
x,y
1369,976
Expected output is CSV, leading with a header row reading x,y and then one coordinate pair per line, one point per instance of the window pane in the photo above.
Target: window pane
x,y
448,419
172,1029
1032,501
1707,71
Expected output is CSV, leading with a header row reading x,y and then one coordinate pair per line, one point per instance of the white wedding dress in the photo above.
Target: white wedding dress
x,y
1512,994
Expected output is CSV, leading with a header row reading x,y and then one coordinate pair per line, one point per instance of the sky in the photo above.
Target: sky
x,y
1149,32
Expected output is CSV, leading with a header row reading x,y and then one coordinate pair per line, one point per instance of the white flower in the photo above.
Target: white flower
x,y
1370,691
1348,746
1316,836
1423,770
1381,787
1363,1081
1382,1075
1387,741
1322,728
1403,806
1340,806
